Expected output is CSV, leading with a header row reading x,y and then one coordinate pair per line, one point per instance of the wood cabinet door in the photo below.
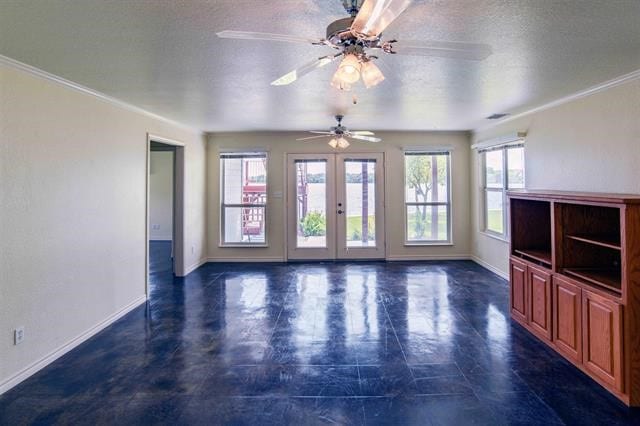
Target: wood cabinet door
x,y
567,318
602,332
539,295
518,291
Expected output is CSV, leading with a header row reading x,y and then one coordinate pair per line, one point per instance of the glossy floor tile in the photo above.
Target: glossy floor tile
x,y
424,343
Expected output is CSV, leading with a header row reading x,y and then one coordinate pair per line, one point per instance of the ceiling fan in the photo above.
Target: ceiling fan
x,y
358,39
340,133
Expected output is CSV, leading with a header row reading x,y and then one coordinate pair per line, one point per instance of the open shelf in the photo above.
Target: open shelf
x,y
608,278
609,241
542,256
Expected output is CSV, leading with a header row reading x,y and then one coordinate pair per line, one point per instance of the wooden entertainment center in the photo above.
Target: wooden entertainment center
x,y
574,272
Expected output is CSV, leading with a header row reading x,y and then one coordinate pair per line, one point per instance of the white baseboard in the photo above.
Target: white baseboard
x,y
245,259
73,343
195,266
409,257
492,268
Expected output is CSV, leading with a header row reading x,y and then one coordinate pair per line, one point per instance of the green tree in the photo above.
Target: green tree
x,y
421,175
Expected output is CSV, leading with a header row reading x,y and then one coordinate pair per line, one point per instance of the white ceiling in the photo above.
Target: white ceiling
x,y
164,56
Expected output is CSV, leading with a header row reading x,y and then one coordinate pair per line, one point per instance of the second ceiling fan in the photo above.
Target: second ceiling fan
x,y
358,39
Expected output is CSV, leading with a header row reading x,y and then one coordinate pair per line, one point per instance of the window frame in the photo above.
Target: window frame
x,y
447,203
503,190
243,154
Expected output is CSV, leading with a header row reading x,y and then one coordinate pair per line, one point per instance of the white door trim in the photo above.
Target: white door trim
x,y
178,206
335,167
321,253
374,252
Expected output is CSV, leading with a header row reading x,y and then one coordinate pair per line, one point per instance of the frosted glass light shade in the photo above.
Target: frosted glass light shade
x,y
342,143
371,74
333,143
349,69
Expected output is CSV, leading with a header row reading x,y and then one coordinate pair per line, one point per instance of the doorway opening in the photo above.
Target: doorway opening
x,y
165,201
335,206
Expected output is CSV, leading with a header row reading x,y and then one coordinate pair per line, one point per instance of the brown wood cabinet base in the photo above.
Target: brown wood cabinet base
x,y
575,281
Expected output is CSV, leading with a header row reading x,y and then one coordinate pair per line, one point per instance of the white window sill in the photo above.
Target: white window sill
x,y
243,245
429,244
498,237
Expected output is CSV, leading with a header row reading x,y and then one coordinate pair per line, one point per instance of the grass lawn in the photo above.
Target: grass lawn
x,y
426,226
354,225
494,221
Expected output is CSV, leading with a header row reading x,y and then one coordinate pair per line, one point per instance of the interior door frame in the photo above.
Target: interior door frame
x,y
178,231
379,250
332,176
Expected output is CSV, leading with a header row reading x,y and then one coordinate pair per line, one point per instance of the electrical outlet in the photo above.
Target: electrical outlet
x,y
18,335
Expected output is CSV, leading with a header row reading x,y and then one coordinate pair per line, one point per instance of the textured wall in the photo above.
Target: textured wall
x,y
161,195
279,144
590,144
72,212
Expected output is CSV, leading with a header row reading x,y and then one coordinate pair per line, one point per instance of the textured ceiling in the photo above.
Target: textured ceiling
x,y
164,56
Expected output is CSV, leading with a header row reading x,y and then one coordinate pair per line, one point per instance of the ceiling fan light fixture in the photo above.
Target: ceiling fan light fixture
x,y
333,143
342,143
349,69
371,74
339,84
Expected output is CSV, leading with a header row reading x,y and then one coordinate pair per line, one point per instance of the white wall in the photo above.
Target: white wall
x,y
72,213
279,144
161,195
590,144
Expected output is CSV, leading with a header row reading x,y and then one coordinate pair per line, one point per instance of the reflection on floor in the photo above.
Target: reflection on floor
x,y
346,343
160,257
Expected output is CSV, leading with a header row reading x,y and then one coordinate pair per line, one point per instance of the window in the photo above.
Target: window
x,y
243,198
427,197
503,169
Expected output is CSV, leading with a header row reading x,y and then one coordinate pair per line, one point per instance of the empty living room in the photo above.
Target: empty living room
x,y
307,212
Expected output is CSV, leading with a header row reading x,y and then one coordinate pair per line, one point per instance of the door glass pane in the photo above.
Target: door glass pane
x,y
494,168
244,224
515,161
427,223
495,221
311,203
359,209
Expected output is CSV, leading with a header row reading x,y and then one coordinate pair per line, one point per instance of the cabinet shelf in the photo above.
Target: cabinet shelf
x,y
608,278
608,241
542,256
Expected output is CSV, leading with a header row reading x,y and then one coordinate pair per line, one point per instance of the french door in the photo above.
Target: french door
x,y
335,206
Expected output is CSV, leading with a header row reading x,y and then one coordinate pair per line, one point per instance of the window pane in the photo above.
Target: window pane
x,y
360,205
494,168
244,180
515,162
494,213
421,171
244,224
311,203
427,223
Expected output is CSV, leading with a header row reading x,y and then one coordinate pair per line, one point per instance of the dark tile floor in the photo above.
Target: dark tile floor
x,y
342,343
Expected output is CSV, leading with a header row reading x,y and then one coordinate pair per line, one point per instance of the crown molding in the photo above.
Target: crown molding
x,y
634,75
15,64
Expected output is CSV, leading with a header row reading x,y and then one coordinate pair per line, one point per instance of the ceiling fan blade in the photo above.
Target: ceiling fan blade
x,y
443,49
361,133
292,76
314,137
320,132
365,138
375,15
249,35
